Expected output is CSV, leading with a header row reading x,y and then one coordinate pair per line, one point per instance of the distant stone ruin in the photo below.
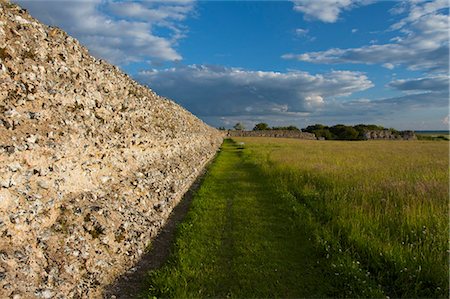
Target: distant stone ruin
x,y
369,135
273,133
91,163
389,135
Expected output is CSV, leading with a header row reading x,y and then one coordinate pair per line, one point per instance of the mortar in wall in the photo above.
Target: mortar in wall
x,y
91,163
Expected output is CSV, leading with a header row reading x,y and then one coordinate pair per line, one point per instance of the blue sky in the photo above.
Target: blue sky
x,y
282,62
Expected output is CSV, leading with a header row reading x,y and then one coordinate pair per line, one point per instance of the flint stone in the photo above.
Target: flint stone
x,y
83,149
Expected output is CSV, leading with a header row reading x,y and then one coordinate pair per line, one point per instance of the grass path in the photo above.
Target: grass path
x,y
240,239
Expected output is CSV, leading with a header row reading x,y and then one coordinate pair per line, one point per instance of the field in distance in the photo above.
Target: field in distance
x,y
433,135
302,218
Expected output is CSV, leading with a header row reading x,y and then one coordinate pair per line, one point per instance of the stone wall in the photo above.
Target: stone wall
x,y
389,135
91,163
273,133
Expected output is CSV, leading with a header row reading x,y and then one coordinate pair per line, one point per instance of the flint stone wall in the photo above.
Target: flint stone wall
x,y
273,133
388,135
91,163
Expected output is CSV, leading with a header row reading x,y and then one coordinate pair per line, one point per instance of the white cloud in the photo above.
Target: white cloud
x,y
388,65
354,30
301,32
387,112
221,91
118,31
416,100
418,93
224,96
417,10
313,101
326,10
152,10
422,44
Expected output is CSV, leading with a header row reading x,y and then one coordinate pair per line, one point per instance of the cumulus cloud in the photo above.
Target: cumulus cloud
x,y
402,112
326,10
422,43
220,91
420,96
225,96
118,31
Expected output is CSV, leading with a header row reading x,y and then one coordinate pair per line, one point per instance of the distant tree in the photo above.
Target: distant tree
x,y
221,128
362,129
343,132
394,131
292,128
315,127
288,128
325,133
368,127
261,127
320,131
239,127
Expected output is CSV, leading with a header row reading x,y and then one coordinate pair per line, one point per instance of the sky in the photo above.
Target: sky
x,y
298,62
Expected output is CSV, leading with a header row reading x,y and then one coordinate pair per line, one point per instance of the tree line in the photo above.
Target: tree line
x,y
343,132
336,132
261,127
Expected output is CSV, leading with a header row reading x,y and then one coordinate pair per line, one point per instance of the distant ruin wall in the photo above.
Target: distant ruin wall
x,y
91,163
273,133
389,135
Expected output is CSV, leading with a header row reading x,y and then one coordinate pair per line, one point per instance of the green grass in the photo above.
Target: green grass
x,y
435,136
297,218
382,205
242,238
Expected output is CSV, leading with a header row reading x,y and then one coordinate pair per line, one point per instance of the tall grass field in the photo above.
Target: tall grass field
x,y
379,208
311,219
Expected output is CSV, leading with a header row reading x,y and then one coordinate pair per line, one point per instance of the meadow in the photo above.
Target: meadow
x,y
380,207
299,218
433,135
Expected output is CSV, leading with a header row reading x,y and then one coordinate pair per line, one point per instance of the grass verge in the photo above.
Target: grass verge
x,y
293,218
241,238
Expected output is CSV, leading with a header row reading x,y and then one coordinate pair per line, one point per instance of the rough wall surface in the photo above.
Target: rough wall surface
x,y
389,135
273,133
91,163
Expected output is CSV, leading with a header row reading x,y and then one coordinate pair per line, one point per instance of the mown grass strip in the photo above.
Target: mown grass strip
x,y
242,238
